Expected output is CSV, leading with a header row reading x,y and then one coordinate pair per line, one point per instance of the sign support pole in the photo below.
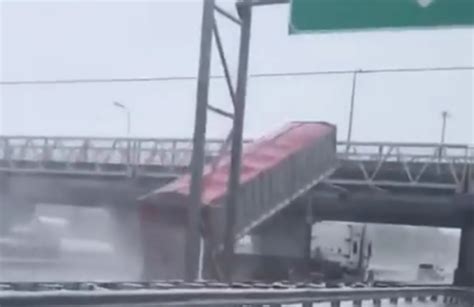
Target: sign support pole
x,y
245,12
193,234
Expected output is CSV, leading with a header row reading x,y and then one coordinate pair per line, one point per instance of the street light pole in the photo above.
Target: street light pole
x,y
351,111
127,115
128,127
444,115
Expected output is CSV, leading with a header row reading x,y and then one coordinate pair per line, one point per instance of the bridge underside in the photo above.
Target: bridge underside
x,y
386,207
350,199
420,194
75,190
20,193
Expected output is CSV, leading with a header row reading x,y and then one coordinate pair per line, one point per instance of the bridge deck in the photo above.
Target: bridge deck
x,y
87,171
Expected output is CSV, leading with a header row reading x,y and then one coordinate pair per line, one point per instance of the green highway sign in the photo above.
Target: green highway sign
x,y
350,15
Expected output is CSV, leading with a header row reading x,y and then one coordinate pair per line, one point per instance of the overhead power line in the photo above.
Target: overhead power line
x,y
363,71
97,80
257,75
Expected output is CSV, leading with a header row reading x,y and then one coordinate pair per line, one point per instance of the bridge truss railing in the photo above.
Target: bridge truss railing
x,y
163,294
76,153
43,152
412,152
415,164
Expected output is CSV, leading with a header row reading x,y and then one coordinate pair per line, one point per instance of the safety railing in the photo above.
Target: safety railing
x,y
217,294
428,165
163,151
120,156
147,156
412,152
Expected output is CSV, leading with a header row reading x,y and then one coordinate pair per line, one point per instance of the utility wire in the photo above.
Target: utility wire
x,y
257,75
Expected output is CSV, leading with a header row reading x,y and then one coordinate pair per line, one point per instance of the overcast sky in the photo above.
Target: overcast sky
x,y
120,39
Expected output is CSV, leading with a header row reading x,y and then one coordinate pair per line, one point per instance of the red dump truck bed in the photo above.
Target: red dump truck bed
x,y
275,170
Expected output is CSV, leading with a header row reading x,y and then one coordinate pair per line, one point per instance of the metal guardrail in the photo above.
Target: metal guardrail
x,y
73,150
176,151
415,152
146,157
407,164
218,294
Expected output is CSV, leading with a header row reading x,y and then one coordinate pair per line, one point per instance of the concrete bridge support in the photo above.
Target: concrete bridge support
x,y
163,241
126,228
4,220
285,235
14,209
464,275
284,241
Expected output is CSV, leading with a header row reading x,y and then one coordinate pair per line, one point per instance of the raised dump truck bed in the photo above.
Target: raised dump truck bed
x,y
275,170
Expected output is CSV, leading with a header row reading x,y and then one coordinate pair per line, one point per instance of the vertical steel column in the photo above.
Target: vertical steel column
x,y
197,163
362,248
308,234
245,11
5,219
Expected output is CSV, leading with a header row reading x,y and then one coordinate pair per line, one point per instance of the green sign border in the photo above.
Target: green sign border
x,y
292,30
